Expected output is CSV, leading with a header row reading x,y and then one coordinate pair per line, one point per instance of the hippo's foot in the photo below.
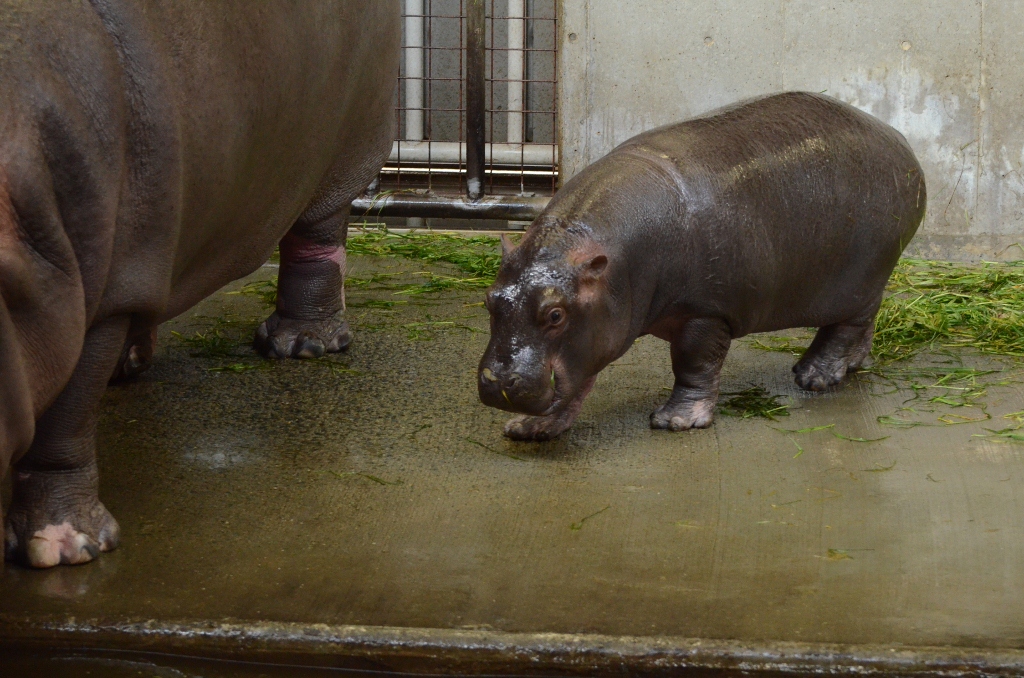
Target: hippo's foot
x,y
680,415
836,351
281,337
539,429
819,375
58,519
526,427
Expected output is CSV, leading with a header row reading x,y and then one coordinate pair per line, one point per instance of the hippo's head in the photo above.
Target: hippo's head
x,y
553,322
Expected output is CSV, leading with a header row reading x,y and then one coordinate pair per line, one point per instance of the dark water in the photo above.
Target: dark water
x,y
71,665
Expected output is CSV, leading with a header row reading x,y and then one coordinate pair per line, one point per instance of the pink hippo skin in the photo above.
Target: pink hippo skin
x,y
152,151
785,211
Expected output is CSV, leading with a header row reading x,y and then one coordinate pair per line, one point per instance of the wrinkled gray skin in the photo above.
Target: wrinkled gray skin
x,y
785,211
150,152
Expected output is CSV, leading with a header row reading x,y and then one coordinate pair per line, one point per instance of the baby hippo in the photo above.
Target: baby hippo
x,y
785,211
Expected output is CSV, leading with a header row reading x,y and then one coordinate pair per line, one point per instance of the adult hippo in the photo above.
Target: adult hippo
x,y
785,211
150,152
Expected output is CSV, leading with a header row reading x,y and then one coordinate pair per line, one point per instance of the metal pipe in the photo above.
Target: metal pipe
x,y
502,207
476,60
414,69
545,155
516,42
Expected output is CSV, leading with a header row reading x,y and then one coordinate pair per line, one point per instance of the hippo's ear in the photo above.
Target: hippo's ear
x,y
589,276
506,246
595,267
590,260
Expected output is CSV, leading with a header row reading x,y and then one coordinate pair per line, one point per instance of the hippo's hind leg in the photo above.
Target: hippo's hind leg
x,y
836,350
56,516
310,316
699,348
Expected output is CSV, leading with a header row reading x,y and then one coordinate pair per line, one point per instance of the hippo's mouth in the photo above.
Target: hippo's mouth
x,y
553,398
555,406
534,407
548,397
557,399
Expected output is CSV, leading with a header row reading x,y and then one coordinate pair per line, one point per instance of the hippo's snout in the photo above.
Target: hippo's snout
x,y
514,390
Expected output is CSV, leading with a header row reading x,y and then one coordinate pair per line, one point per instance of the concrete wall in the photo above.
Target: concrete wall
x,y
949,74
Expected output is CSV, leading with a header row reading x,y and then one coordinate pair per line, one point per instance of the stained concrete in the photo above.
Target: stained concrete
x,y
371,497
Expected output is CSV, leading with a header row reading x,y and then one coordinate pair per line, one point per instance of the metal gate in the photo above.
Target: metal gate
x,y
476,117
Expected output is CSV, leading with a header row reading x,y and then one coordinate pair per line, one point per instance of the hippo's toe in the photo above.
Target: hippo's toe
x,y
685,415
59,545
281,337
836,351
819,375
539,429
53,522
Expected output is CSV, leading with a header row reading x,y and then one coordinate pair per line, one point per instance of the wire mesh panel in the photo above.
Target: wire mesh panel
x,y
520,154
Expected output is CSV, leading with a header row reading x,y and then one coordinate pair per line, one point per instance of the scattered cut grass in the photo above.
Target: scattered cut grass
x,y
935,386
491,449
367,476
210,344
808,429
1010,434
933,304
753,402
227,342
781,344
576,527
879,468
425,331
264,290
477,256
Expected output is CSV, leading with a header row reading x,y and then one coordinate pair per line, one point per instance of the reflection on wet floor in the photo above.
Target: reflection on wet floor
x,y
72,665
374,489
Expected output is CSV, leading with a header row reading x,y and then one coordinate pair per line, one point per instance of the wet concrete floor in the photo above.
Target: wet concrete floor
x,y
374,490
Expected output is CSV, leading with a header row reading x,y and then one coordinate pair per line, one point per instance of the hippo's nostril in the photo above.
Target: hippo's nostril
x,y
513,380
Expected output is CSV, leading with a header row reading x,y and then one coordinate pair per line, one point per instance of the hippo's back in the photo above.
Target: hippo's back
x,y
793,208
775,125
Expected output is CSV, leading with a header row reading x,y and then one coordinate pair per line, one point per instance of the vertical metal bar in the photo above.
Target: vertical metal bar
x,y
476,64
528,70
555,135
429,77
414,70
462,86
516,40
490,102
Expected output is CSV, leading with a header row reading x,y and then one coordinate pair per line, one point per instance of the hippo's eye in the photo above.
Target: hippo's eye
x,y
555,316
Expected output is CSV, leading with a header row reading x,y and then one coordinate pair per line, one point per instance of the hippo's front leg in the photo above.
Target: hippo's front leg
x,y
699,347
541,428
56,517
310,316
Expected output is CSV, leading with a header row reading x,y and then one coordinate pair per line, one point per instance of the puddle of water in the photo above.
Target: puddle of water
x,y
71,665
